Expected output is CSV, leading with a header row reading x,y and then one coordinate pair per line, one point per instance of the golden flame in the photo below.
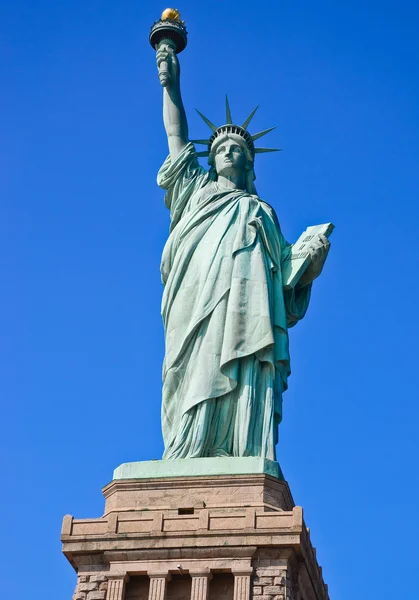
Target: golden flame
x,y
171,13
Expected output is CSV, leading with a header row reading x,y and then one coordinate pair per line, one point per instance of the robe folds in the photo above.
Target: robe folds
x,y
225,316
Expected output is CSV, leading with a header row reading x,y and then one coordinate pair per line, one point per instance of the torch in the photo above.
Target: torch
x,y
168,32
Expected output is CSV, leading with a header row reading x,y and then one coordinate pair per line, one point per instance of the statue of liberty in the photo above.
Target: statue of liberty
x,y
226,313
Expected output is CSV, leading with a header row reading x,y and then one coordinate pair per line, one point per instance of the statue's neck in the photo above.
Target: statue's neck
x,y
233,182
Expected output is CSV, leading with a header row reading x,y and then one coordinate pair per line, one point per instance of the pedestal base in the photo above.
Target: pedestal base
x,y
191,467
207,537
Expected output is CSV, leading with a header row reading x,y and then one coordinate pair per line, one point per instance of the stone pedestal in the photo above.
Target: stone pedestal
x,y
218,537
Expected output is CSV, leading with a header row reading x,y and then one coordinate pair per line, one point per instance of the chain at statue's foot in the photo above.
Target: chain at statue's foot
x,y
234,536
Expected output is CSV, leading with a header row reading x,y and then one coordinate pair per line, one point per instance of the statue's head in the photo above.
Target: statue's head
x,y
232,147
230,155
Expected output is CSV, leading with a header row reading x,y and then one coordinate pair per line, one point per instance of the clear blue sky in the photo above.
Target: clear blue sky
x,y
82,229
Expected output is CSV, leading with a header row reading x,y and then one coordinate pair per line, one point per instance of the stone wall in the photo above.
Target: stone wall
x,y
91,587
271,583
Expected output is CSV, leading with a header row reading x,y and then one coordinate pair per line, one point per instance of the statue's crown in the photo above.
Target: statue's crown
x,y
230,128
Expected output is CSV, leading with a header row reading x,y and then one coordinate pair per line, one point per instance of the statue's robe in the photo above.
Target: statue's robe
x,y
225,316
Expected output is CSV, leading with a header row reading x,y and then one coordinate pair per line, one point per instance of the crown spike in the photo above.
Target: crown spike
x,y
249,118
207,121
203,142
229,119
262,133
203,153
262,150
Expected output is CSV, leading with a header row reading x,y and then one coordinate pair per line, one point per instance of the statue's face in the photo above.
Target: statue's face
x,y
230,157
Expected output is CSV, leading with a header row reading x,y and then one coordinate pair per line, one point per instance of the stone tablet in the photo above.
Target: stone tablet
x,y
295,266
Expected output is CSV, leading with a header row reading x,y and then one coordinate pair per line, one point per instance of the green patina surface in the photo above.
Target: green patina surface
x,y
194,467
226,305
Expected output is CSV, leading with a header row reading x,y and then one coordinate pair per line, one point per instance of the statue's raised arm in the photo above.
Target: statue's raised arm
x,y
174,116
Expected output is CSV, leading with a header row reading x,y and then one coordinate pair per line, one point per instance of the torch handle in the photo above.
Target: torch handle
x,y
164,75
164,71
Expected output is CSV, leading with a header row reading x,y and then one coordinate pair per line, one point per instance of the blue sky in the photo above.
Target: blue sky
x,y
83,225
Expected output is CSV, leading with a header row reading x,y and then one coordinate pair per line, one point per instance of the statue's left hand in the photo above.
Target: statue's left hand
x,y
318,249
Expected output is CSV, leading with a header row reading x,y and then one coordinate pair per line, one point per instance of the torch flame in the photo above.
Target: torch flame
x,y
171,14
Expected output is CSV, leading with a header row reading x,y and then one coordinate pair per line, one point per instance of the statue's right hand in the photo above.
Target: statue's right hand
x,y
167,61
